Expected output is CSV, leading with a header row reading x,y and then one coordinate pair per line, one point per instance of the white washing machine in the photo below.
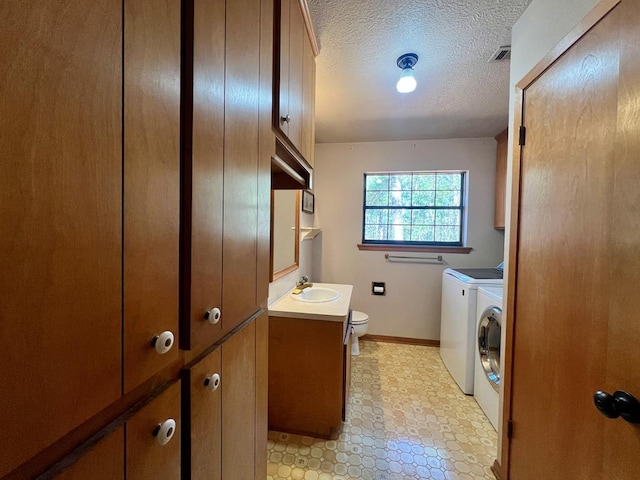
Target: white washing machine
x,y
458,320
488,351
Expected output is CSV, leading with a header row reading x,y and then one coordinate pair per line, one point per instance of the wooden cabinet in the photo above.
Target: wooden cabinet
x,y
223,438
295,79
308,135
151,183
307,392
105,461
60,211
151,451
99,254
502,140
221,228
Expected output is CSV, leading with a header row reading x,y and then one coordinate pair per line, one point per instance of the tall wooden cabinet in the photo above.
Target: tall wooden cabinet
x,y
61,217
133,201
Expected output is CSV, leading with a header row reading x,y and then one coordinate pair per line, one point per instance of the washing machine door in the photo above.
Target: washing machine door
x,y
489,344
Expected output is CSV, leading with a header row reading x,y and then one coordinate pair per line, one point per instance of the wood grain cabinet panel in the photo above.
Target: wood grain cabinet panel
x,y
293,82
203,157
151,183
146,458
307,392
105,461
226,436
239,404
60,197
202,435
242,80
308,136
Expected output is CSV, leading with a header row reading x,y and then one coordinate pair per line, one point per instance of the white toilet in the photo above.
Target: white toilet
x,y
359,324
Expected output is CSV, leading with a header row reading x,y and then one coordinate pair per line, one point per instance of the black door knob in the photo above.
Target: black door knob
x,y
620,404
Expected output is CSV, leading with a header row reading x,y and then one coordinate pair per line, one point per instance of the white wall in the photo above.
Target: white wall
x,y
543,25
411,307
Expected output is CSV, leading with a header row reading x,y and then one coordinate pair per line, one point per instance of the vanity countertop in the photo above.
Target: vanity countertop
x,y
335,311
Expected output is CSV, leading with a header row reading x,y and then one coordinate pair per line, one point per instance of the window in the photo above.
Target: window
x,y
414,208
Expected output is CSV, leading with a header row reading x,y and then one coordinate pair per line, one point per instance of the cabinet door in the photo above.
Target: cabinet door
x,y
203,174
308,101
262,396
283,66
297,33
242,79
239,404
203,453
60,211
145,456
151,183
105,461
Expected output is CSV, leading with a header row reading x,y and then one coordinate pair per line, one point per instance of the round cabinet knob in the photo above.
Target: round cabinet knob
x,y
285,119
163,342
213,315
212,382
164,431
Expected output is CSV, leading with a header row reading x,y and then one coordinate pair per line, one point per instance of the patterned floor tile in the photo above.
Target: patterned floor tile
x,y
406,419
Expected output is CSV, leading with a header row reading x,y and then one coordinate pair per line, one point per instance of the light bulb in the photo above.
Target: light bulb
x,y
407,82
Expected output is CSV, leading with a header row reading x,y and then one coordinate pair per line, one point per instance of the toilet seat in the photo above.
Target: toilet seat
x,y
358,318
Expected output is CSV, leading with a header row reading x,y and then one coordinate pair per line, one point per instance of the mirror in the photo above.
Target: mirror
x,y
285,232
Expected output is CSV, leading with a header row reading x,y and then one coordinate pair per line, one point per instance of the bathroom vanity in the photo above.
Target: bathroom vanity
x,y
310,363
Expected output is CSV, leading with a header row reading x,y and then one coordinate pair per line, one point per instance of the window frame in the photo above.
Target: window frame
x,y
410,244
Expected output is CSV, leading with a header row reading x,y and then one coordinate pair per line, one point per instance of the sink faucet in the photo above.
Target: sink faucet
x,y
301,284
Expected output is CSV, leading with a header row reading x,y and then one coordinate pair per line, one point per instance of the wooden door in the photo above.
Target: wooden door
x,y
146,458
151,183
621,439
105,461
242,96
202,457
60,211
203,153
239,404
575,328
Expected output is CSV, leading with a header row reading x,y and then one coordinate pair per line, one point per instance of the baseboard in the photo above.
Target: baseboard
x,y
497,471
404,340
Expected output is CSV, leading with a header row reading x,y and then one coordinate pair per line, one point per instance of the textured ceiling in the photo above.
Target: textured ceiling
x,y
459,94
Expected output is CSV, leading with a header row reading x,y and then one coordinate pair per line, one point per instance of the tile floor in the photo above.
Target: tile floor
x,y
406,419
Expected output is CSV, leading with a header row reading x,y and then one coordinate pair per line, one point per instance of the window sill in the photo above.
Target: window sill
x,y
406,248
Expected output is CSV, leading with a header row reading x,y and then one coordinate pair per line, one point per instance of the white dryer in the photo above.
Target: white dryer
x,y
458,320
488,351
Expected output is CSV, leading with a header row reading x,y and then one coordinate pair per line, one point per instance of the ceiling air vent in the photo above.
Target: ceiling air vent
x,y
502,53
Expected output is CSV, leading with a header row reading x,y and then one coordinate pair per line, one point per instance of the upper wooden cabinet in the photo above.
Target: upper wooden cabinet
x,y
295,78
308,134
61,217
501,179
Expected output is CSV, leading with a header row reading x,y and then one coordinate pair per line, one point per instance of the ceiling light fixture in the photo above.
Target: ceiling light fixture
x,y
407,82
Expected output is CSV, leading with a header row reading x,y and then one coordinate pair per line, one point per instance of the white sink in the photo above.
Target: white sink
x,y
316,295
